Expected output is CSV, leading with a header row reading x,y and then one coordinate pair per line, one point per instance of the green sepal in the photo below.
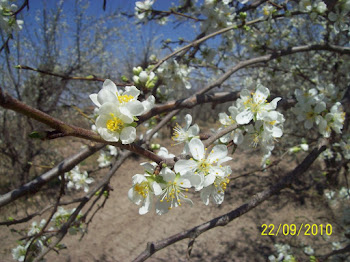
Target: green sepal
x,y
133,124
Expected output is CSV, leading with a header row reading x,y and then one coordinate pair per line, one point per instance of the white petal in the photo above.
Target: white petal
x,y
238,137
109,136
308,124
148,104
138,179
205,194
273,104
135,107
261,94
217,153
156,188
208,180
145,208
184,182
197,149
224,159
244,117
233,111
167,174
162,207
195,179
149,167
105,96
128,135
134,196
193,130
224,119
94,99
188,120
132,91
109,85
218,197
108,108
321,106
183,166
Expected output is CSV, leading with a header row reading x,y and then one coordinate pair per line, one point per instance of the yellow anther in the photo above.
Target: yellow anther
x,y
115,124
124,98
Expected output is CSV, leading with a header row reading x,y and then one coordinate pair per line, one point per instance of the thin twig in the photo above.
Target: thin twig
x,y
64,229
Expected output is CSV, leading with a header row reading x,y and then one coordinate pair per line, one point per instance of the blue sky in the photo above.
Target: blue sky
x,y
95,9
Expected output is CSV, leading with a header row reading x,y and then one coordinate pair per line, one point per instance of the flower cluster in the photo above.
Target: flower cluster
x,y
8,22
313,7
118,110
339,16
142,8
219,15
311,108
59,218
205,174
78,180
104,160
175,75
267,123
284,253
144,79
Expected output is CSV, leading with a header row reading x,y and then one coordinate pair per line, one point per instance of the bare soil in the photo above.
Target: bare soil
x,y
119,233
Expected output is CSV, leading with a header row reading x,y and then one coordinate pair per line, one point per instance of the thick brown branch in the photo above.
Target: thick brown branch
x,y
225,219
9,102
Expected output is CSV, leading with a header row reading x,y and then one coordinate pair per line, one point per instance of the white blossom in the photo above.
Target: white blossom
x,y
174,190
78,180
186,133
207,169
143,188
141,8
309,250
217,189
252,106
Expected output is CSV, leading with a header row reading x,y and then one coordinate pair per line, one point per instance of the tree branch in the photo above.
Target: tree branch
x,y
225,219
64,229
9,102
35,185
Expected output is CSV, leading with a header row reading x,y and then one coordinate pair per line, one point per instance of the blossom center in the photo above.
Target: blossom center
x,y
204,166
255,139
179,134
124,98
173,194
142,189
115,124
310,115
221,183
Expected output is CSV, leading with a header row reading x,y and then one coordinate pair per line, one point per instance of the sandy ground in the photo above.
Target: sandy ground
x,y
119,233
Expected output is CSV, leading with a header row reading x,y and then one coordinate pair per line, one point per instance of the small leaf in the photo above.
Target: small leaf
x,y
37,134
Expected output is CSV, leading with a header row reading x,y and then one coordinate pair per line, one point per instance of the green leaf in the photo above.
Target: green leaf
x,y
37,135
